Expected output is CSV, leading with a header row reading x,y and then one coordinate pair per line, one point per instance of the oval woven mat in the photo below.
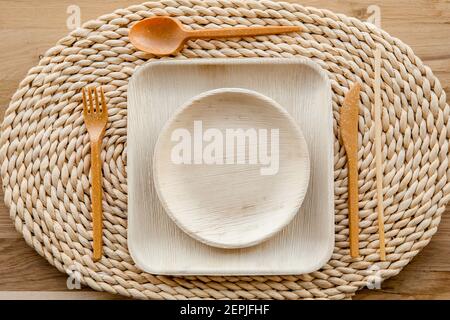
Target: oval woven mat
x,y
45,151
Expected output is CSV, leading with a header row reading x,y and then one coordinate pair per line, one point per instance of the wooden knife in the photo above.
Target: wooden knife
x,y
349,132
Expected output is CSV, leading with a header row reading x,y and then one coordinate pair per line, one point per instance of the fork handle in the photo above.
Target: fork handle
x,y
96,196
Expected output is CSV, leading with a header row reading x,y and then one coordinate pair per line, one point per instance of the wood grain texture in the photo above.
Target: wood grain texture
x,y
30,27
302,246
58,295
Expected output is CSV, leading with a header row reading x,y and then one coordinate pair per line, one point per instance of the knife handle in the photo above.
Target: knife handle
x,y
353,209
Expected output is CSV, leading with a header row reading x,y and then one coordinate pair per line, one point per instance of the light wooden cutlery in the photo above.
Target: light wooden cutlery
x,y
378,153
95,114
163,36
349,133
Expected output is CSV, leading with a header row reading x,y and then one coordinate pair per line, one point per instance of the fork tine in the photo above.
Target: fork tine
x,y
97,104
85,107
91,103
104,108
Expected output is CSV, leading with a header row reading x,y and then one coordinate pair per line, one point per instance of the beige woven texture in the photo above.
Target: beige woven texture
x,y
45,151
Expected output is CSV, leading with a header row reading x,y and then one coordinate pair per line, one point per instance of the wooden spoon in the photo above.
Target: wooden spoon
x,y
164,36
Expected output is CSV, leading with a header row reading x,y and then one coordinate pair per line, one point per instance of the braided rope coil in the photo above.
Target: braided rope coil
x,y
45,156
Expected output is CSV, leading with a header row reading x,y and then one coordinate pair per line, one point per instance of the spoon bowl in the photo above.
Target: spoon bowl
x,y
158,35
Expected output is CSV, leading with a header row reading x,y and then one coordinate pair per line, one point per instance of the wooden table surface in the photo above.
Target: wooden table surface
x,y
29,27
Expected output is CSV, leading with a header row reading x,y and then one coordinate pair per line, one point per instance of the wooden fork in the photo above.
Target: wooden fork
x,y
95,118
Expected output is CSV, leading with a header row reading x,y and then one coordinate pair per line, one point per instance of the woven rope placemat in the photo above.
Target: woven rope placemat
x,y
45,150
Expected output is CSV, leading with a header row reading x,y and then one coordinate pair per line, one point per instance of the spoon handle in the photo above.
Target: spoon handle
x,y
241,32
